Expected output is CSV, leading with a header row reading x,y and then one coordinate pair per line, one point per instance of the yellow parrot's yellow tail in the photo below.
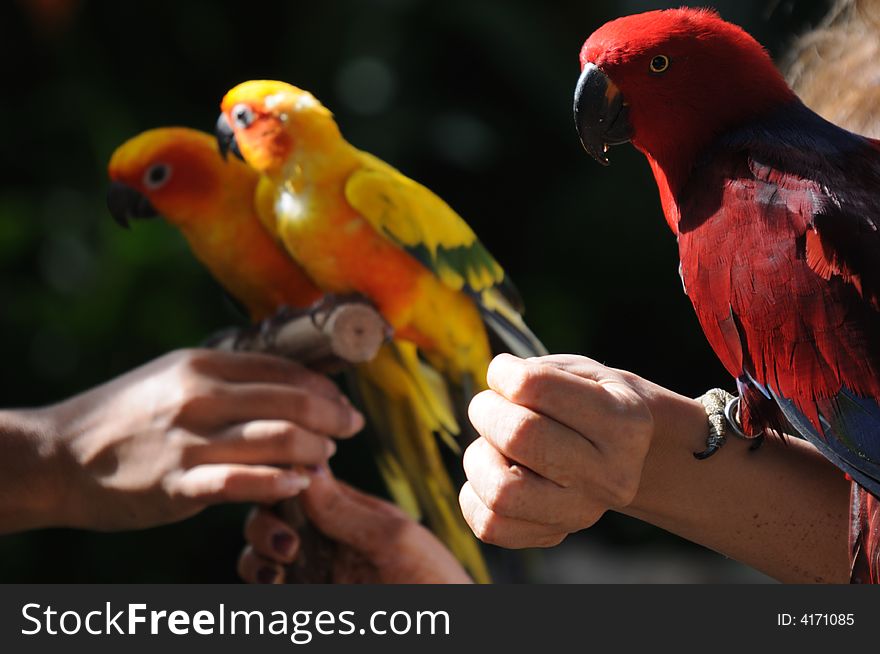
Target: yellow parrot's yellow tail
x,y
409,407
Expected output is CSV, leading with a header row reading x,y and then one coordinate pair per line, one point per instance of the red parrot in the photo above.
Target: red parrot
x,y
777,216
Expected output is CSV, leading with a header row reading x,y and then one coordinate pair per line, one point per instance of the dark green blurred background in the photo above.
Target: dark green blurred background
x,y
471,97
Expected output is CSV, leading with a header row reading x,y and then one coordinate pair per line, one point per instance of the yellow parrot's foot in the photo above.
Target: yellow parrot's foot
x,y
324,310
235,339
330,301
272,326
339,330
318,312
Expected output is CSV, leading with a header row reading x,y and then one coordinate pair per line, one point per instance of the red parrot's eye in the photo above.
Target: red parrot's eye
x,y
659,64
243,116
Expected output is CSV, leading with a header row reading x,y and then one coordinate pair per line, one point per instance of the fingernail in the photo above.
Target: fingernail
x,y
282,542
331,448
292,482
316,470
267,575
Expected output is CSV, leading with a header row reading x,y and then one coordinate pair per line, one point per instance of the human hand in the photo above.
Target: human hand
x,y
190,429
563,439
376,542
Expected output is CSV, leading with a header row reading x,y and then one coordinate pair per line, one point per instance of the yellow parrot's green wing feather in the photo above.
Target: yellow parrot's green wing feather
x,y
417,220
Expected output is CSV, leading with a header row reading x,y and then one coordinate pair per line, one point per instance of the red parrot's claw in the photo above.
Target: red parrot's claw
x,y
758,441
723,421
713,402
713,444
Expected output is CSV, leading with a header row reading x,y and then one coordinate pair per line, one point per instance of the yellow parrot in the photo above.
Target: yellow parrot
x,y
357,225
177,173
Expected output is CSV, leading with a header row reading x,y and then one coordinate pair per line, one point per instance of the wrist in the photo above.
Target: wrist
x,y
680,429
32,473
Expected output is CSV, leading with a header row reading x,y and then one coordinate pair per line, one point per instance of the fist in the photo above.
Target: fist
x,y
376,542
562,440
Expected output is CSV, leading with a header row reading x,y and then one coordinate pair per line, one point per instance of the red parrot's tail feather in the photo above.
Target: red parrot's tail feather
x,y
865,537
758,412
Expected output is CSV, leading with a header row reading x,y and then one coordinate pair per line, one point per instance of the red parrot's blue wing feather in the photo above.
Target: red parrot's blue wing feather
x,y
780,253
850,426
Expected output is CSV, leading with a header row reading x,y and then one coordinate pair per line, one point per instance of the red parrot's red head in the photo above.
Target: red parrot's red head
x,y
670,81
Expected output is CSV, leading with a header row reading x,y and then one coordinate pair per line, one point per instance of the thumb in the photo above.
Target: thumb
x,y
349,516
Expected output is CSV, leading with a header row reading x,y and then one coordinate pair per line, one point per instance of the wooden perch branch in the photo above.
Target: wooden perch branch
x,y
335,333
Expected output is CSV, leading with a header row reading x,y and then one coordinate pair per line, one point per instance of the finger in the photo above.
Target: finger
x,y
271,537
494,529
277,442
570,399
607,412
215,483
367,501
511,491
246,402
252,367
576,364
254,569
612,381
540,443
346,519
372,503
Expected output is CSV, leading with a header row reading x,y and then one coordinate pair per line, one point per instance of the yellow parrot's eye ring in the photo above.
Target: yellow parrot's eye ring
x,y
659,64
243,115
155,176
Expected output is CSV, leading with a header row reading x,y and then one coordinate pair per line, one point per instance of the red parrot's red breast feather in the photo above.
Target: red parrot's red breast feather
x,y
781,258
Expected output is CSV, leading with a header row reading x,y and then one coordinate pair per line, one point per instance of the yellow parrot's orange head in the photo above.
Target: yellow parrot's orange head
x,y
264,122
169,171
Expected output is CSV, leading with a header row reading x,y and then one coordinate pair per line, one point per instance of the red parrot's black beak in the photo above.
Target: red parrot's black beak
x,y
126,203
226,138
600,113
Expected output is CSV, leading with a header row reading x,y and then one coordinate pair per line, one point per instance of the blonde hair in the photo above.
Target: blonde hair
x,y
835,68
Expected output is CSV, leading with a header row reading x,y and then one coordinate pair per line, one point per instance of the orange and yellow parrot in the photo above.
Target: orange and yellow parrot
x,y
178,173
357,225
